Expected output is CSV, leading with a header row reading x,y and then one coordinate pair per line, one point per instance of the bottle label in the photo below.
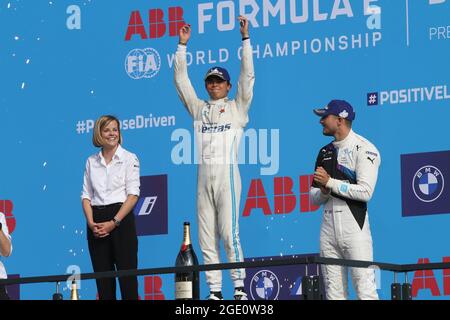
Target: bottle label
x,y
183,290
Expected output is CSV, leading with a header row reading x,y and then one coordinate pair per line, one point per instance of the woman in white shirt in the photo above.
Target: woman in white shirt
x,y
5,251
110,192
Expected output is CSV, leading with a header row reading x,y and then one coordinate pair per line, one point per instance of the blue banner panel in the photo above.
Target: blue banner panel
x,y
424,190
151,209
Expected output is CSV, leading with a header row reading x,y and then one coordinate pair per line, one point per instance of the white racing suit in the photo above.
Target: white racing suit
x,y
218,127
345,232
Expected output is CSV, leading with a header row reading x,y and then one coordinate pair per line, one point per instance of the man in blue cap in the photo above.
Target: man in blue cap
x,y
345,175
218,125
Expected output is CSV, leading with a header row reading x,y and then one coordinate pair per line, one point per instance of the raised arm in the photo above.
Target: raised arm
x,y
247,75
183,85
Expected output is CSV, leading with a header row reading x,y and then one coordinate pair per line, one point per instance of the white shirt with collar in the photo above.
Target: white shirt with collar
x,y
5,230
111,183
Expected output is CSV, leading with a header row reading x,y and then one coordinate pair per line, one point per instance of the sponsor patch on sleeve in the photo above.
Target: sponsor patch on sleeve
x,y
370,153
343,188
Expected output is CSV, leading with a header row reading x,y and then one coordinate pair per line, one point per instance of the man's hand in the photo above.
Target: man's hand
x,y
185,34
325,190
243,22
321,177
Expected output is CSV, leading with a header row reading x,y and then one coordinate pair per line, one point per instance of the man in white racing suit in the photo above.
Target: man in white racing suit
x,y
218,126
344,181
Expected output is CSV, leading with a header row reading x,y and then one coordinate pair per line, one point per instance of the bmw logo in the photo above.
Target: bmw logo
x,y
264,286
428,183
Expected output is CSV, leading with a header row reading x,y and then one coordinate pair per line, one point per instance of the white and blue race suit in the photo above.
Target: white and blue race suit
x,y
218,126
352,164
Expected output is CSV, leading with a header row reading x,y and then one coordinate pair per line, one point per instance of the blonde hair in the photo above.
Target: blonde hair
x,y
101,123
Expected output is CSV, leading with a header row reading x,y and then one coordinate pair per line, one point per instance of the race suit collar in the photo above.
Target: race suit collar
x,y
218,101
348,138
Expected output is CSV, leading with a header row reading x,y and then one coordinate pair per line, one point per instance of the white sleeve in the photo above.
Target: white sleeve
x,y
318,197
244,93
185,90
132,179
367,163
88,191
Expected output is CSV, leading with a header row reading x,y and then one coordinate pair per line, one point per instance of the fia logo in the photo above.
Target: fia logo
x,y
428,183
264,286
142,63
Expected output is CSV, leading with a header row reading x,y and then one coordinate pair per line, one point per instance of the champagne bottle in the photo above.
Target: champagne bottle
x,y
187,285
57,295
74,291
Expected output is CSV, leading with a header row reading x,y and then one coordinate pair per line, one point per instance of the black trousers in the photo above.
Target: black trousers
x,y
117,251
3,293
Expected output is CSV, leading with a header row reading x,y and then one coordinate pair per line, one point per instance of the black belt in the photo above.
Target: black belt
x,y
107,206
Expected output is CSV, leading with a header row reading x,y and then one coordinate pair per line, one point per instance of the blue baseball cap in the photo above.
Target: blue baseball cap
x,y
340,108
218,72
